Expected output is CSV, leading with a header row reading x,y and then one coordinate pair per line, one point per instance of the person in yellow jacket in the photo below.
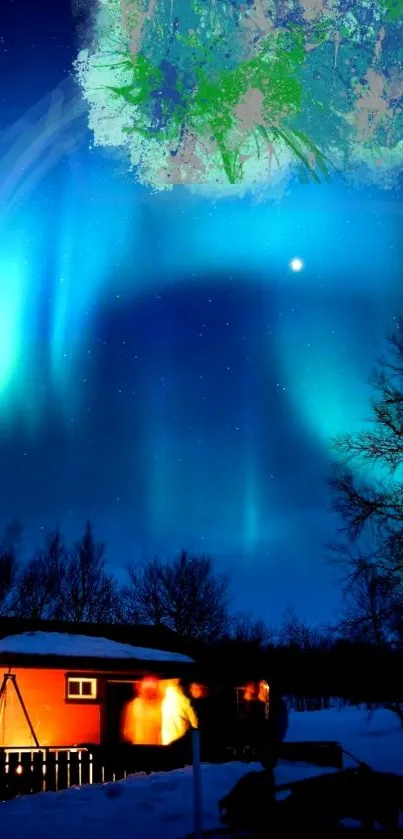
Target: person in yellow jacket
x,y
178,714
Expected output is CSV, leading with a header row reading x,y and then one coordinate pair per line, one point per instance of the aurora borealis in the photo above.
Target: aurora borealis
x,y
163,371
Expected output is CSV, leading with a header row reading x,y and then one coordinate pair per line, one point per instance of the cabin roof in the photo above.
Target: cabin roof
x,y
83,647
138,635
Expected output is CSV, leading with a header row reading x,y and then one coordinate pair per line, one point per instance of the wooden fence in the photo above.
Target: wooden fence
x,y
24,771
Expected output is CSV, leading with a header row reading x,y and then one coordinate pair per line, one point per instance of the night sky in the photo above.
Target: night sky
x,y
163,371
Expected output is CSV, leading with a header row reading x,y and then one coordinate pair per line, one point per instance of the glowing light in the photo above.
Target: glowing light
x,y
19,770
296,264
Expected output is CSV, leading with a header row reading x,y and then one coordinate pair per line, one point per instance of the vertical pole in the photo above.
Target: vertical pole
x,y
2,705
13,678
197,785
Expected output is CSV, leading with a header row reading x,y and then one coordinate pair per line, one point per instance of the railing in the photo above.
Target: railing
x,y
39,770
30,770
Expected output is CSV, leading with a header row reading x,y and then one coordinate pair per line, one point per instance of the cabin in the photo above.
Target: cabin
x,y
64,689
82,703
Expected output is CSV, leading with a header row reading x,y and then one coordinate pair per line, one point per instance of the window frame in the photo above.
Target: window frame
x,y
80,699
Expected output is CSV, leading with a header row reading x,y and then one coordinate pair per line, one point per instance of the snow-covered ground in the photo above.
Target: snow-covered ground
x,y
144,807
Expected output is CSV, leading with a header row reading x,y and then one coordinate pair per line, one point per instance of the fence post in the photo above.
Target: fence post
x,y
197,785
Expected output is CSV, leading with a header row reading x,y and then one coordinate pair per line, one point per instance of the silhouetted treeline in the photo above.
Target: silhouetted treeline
x,y
349,670
74,583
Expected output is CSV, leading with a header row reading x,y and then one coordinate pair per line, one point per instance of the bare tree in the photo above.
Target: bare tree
x,y
246,629
370,503
88,593
38,586
9,547
185,594
8,573
369,593
197,597
145,596
12,537
295,631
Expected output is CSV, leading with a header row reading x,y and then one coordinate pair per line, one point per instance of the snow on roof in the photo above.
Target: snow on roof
x,y
83,646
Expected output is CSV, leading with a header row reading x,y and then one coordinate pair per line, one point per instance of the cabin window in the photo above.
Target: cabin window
x,y
80,688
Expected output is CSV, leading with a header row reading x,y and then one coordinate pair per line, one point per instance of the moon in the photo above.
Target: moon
x,y
296,264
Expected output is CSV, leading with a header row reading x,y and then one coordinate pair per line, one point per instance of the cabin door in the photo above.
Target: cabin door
x,y
117,695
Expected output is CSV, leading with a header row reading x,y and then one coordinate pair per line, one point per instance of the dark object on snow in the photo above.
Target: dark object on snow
x,y
278,712
255,792
361,794
327,753
318,803
249,806
276,726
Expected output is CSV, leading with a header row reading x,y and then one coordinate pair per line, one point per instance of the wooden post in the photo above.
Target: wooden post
x,y
197,785
13,678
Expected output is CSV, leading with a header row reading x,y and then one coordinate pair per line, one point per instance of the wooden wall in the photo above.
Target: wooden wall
x,y
55,721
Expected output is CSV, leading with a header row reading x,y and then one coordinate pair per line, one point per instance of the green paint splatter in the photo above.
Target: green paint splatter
x,y
215,94
392,9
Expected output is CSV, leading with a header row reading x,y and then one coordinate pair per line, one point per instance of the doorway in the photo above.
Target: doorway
x,y
117,695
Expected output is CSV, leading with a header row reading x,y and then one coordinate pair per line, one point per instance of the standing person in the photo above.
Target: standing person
x,y
141,719
251,803
177,714
277,719
276,730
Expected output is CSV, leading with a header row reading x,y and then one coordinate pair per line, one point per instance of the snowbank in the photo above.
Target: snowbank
x,y
82,646
374,737
148,806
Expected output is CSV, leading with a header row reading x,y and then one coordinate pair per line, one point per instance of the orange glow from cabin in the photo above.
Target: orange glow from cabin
x,y
55,722
159,715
